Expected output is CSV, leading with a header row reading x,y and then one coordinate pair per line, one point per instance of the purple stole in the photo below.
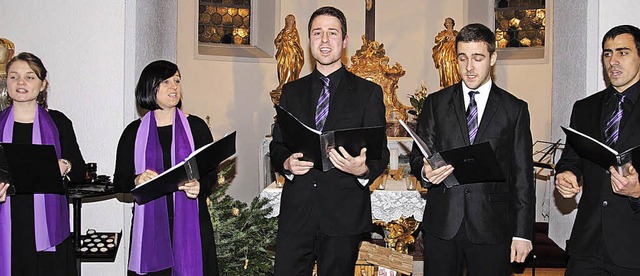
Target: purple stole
x,y
151,246
51,211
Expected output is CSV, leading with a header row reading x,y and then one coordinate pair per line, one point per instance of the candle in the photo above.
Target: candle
x,y
393,159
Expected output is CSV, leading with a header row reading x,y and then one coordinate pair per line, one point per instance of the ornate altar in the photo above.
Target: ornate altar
x,y
371,63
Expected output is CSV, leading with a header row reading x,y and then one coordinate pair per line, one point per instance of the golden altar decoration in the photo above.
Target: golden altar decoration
x,y
289,55
400,233
371,63
7,49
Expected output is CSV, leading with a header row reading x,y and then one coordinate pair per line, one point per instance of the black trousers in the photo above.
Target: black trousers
x,y
597,264
448,257
296,253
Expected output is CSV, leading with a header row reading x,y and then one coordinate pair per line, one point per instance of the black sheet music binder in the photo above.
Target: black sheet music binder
x,y
314,145
199,163
30,169
472,164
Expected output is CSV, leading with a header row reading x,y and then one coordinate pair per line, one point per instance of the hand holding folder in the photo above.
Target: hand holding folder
x,y
472,164
199,163
314,145
601,154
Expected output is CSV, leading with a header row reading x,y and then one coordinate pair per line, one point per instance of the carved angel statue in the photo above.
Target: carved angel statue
x,y
444,54
290,55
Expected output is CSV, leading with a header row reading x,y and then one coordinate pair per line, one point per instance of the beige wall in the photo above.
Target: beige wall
x,y
407,28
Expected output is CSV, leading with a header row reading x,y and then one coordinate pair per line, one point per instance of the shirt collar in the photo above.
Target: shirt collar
x,y
482,90
631,93
334,77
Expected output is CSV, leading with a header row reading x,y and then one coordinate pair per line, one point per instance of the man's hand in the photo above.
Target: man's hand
x,y
519,250
191,188
625,185
3,191
347,163
567,184
438,175
296,166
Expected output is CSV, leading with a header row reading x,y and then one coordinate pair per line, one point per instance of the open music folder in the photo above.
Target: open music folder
x,y
601,154
30,169
315,145
472,164
199,163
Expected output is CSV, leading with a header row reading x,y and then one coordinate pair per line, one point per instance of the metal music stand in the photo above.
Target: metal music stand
x,y
544,157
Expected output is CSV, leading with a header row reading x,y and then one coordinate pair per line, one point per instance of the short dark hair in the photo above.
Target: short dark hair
x,y
623,29
330,11
35,63
150,79
477,32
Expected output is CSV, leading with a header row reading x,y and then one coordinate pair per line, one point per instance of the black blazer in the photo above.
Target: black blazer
x,y
337,200
493,212
601,213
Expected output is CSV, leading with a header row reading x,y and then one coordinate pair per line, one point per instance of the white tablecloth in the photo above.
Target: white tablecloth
x,y
386,205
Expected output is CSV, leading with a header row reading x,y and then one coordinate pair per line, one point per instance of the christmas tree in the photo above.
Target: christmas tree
x,y
243,233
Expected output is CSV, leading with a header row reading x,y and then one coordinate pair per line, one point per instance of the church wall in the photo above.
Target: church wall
x,y
82,45
94,52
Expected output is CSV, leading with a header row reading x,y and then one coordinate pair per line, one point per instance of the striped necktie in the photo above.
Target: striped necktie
x,y
322,109
472,116
612,127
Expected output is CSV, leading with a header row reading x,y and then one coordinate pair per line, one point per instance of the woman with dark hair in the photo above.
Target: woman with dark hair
x,y
171,235
34,229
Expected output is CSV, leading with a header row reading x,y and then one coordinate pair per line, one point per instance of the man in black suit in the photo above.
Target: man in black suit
x,y
323,214
487,225
606,233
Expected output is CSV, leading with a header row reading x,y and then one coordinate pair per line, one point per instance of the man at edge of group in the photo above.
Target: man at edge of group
x,y
605,237
476,223
324,214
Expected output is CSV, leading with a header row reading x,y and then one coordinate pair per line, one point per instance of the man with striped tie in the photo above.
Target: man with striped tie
x,y
605,238
477,223
324,214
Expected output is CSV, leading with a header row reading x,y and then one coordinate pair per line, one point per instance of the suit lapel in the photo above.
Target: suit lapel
x,y
339,100
629,128
311,100
493,103
458,105
602,117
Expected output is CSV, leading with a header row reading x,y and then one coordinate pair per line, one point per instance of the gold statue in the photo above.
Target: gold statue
x,y
371,63
444,54
290,55
7,49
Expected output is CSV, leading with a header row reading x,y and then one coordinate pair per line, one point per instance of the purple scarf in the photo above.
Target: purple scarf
x,y
151,246
51,211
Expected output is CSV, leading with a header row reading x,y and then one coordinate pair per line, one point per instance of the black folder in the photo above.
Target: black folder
x,y
599,153
199,163
472,164
30,169
315,145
